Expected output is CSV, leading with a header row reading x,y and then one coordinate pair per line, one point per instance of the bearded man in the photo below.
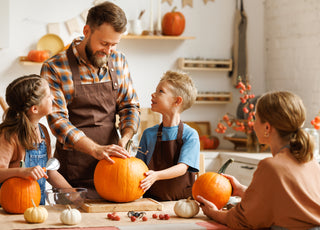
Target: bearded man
x,y
91,83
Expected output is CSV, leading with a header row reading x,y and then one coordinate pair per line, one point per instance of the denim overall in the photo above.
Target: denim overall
x,y
36,157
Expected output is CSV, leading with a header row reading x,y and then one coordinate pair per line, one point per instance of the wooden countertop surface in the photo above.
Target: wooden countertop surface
x,y
100,221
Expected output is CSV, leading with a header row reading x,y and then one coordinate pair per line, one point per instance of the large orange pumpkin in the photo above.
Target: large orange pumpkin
x,y
173,23
213,187
119,182
17,193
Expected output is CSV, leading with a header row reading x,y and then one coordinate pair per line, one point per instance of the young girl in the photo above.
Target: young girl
x,y
23,138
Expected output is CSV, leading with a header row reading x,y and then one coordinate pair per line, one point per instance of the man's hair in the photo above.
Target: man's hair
x,y
107,12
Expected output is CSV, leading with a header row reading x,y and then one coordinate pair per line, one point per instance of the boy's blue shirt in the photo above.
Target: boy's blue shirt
x,y
190,149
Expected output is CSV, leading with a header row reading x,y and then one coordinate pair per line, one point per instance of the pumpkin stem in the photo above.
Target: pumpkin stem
x,y
34,205
174,9
225,166
68,207
189,198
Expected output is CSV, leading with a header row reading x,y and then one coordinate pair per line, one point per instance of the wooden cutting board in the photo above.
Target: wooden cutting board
x,y
142,204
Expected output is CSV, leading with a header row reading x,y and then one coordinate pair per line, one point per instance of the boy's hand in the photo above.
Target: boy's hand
x,y
151,177
34,173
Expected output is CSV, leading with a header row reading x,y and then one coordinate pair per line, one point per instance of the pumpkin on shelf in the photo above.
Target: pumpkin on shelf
x,y
120,182
35,214
16,194
214,187
173,23
38,55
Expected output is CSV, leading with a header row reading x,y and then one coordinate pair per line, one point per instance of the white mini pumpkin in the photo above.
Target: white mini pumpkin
x,y
35,214
70,216
186,208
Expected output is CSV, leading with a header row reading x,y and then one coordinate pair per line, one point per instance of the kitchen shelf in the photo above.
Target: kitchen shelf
x,y
24,61
208,64
214,98
155,37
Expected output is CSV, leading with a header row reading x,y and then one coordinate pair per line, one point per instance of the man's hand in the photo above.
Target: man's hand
x,y
106,151
86,145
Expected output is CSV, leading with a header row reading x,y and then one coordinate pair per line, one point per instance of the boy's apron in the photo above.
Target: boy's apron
x,y
36,157
166,154
93,110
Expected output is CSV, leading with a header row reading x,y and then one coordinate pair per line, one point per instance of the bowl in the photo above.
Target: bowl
x,y
59,198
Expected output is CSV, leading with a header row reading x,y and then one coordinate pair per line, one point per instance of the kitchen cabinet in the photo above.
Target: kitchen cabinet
x,y
4,23
242,168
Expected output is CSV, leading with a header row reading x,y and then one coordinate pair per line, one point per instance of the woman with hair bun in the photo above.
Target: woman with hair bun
x,y
285,189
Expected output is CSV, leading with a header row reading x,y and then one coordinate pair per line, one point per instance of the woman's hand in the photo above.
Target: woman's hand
x,y
237,188
34,173
207,207
151,177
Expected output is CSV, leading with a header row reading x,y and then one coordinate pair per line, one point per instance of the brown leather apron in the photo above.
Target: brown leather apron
x,y
166,154
93,111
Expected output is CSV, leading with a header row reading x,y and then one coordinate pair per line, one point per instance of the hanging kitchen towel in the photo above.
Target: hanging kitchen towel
x,y
239,50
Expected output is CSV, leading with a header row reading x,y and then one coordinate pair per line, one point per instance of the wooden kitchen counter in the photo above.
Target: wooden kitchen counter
x,y
100,221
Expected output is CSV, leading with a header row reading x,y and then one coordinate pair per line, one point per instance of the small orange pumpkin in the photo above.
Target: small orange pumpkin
x,y
209,142
17,193
173,23
213,187
38,55
120,182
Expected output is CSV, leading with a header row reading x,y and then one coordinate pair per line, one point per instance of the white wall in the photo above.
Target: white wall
x,y
211,24
293,50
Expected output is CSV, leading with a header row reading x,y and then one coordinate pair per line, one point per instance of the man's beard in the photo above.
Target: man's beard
x,y
95,61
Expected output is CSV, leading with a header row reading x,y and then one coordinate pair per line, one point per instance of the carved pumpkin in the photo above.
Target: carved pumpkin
x,y
38,55
173,23
16,194
213,187
119,182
